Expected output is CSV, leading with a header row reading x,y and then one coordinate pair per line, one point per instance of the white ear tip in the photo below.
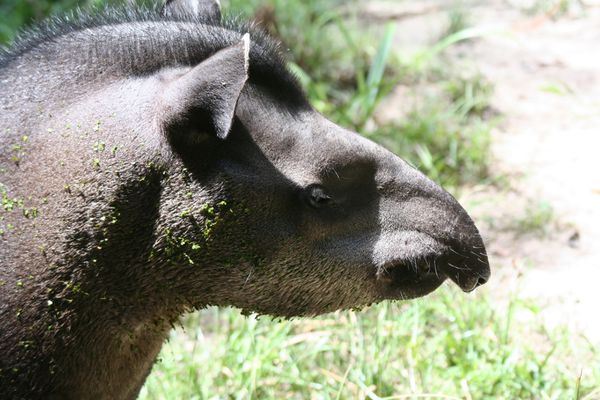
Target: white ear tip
x,y
246,40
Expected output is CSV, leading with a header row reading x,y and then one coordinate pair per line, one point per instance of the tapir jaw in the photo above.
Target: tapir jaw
x,y
408,280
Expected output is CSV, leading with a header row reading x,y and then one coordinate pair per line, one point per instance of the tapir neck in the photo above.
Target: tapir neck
x,y
107,360
115,283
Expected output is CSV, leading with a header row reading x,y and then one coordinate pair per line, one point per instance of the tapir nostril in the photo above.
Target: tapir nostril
x,y
481,281
467,269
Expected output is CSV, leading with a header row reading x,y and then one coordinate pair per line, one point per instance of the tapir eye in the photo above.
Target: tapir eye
x,y
317,197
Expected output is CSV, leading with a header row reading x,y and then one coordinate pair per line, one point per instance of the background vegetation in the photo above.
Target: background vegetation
x,y
449,345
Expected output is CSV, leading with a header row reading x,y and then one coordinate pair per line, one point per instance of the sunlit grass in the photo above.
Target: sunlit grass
x,y
537,219
449,345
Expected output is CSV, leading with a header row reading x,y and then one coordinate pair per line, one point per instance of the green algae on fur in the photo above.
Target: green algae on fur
x,y
183,248
18,150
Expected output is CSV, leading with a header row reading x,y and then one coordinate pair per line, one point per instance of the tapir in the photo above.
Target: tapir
x,y
157,161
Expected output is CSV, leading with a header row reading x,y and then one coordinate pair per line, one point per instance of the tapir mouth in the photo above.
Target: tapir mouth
x,y
402,279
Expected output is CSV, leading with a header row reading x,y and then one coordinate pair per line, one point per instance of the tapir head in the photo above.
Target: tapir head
x,y
329,219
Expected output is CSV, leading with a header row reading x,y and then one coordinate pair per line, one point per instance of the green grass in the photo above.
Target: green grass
x,y
458,18
449,345
554,8
537,219
18,13
449,137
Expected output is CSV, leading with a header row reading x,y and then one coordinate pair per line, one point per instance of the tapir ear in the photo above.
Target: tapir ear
x,y
209,10
205,98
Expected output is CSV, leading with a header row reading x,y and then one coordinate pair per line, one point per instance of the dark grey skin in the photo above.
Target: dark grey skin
x,y
154,163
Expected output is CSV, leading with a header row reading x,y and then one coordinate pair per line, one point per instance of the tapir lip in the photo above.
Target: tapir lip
x,y
401,279
407,279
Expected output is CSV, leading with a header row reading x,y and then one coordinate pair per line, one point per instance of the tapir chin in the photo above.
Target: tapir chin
x,y
159,161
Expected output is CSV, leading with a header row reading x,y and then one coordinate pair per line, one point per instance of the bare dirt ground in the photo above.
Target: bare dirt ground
x,y
545,68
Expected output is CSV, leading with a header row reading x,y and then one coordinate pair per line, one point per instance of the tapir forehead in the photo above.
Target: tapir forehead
x,y
331,148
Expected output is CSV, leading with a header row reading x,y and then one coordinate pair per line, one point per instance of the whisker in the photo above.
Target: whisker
x,y
458,268
413,263
455,252
247,279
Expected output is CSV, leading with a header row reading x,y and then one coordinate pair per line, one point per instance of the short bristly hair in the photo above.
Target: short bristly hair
x,y
146,41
